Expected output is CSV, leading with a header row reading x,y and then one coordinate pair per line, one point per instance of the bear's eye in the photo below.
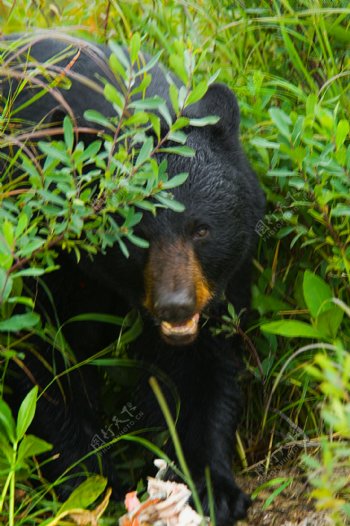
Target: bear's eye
x,y
201,232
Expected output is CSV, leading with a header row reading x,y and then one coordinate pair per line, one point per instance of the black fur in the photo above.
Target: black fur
x,y
221,193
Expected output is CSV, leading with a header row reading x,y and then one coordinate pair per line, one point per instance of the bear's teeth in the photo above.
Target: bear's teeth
x,y
189,327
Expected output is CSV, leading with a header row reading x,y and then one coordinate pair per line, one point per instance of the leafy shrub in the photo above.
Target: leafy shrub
x,y
289,65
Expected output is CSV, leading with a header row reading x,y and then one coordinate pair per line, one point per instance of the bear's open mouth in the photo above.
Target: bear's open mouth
x,y
178,330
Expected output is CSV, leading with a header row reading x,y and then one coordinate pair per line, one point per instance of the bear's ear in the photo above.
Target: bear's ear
x,y
220,101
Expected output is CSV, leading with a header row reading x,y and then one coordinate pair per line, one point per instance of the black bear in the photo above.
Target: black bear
x,y
196,261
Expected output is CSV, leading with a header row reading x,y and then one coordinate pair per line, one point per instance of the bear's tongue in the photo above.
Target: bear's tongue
x,y
181,329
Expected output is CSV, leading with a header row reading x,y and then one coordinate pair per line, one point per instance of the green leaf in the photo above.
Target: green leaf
x,y
26,412
135,46
180,123
175,181
140,117
98,118
6,453
123,248
118,51
97,317
6,284
155,121
317,293
204,121
178,136
68,133
151,103
116,66
165,113
92,150
276,492
177,65
114,96
30,271
340,211
151,62
32,445
19,322
341,34
268,484
30,168
146,205
184,151
85,494
341,133
197,93
174,97
260,142
23,300
145,152
282,172
7,422
8,232
281,120
328,322
34,244
22,224
291,329
51,150
170,203
138,241
266,302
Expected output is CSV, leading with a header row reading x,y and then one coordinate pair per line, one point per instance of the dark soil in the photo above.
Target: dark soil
x,y
292,507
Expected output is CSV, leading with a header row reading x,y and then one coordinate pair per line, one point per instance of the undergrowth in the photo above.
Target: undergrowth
x,y
288,63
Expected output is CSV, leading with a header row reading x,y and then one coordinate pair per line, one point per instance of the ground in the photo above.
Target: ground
x,y
292,507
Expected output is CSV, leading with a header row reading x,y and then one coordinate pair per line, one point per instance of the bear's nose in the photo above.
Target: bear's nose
x,y
175,307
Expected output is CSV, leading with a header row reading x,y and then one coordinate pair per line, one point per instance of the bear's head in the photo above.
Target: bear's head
x,y
193,255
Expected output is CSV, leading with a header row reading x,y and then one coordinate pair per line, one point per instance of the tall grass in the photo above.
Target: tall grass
x,y
289,64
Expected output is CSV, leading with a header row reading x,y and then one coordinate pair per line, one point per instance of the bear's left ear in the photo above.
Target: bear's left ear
x,y
220,101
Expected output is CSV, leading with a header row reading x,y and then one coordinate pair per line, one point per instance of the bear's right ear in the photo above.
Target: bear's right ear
x,y
220,101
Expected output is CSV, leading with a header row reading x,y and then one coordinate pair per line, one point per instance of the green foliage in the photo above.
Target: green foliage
x,y
85,494
326,316
329,474
279,483
17,449
288,63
